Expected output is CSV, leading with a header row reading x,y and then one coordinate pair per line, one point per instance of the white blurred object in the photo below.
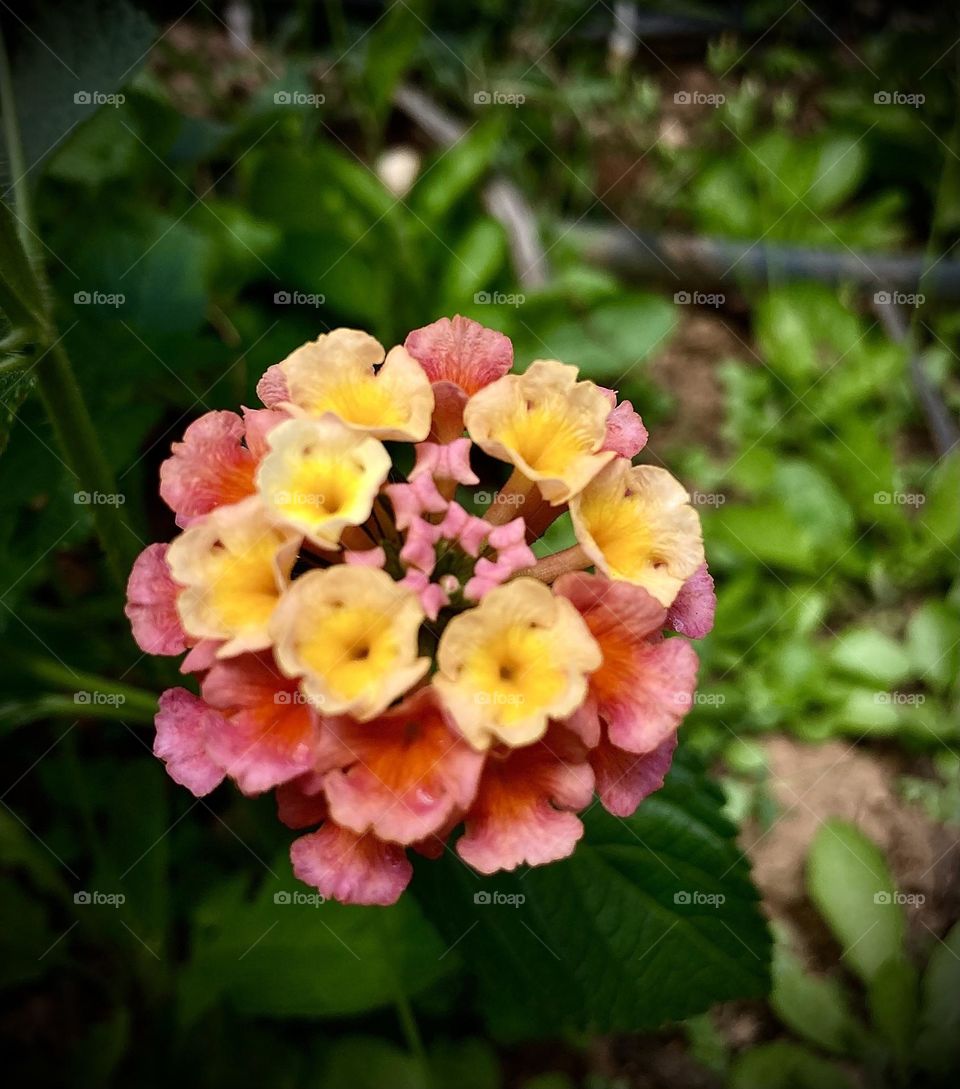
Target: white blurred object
x,y
623,40
397,168
239,21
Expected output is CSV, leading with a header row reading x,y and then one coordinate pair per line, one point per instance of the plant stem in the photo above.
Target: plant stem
x,y
411,1033
56,381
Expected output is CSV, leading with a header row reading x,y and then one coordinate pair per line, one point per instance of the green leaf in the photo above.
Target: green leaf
x,y
940,514
369,1062
840,165
783,1065
815,1007
938,1039
652,919
74,53
872,656
850,884
892,999
813,500
391,47
274,958
455,171
933,635
477,257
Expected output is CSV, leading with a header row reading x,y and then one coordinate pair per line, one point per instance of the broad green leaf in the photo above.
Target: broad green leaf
x,y
940,514
783,1065
815,502
370,1062
652,919
75,53
764,534
477,257
815,1007
609,340
275,957
390,49
932,638
938,1040
840,165
850,885
872,656
454,171
892,1001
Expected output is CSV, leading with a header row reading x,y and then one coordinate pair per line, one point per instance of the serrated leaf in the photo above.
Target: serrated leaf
x,y
624,935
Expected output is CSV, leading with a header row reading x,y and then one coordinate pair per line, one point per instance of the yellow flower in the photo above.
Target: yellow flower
x,y
351,634
518,659
320,477
636,523
546,423
233,565
335,373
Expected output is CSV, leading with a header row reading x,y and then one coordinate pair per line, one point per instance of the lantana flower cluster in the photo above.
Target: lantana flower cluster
x,y
373,637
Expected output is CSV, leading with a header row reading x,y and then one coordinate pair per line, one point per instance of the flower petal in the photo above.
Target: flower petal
x,y
518,659
624,779
209,469
636,523
351,633
523,809
626,434
461,351
151,604
694,608
644,686
350,868
546,423
233,564
403,774
183,724
271,732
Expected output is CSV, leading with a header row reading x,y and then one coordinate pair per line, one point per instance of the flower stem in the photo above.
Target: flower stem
x,y
552,567
56,381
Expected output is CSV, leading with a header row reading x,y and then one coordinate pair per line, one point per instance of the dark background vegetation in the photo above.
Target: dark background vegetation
x,y
221,214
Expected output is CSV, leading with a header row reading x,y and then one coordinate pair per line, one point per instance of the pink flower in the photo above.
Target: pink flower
x,y
402,775
624,779
183,723
351,868
152,604
626,434
645,684
524,812
459,356
270,733
693,609
212,466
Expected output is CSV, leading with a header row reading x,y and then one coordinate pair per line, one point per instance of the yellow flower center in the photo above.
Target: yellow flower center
x,y
350,648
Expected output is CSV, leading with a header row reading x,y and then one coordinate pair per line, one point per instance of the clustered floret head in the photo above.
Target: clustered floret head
x,y
355,589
